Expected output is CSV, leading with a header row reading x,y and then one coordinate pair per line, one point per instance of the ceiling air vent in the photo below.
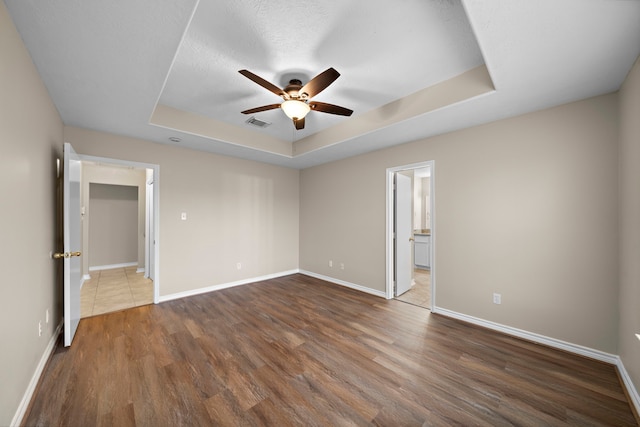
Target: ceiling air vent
x,y
258,122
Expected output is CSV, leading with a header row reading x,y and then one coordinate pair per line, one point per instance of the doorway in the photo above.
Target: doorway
x,y
124,274
411,234
114,216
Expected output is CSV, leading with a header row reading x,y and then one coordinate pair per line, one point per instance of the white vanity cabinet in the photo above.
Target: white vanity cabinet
x,y
422,250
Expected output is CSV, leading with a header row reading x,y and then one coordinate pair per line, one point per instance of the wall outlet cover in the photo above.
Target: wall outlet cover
x,y
497,298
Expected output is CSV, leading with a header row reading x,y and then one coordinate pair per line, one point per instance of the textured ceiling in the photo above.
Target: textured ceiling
x,y
383,50
410,69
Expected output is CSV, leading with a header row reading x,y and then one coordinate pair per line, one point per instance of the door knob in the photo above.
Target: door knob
x,y
59,255
411,239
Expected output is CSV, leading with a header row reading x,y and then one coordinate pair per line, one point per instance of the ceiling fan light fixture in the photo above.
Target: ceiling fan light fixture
x,y
295,109
297,97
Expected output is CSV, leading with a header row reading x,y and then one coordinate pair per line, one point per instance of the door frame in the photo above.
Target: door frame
x,y
156,209
390,250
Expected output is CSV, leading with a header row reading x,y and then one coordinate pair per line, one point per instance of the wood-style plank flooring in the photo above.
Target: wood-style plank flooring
x,y
297,351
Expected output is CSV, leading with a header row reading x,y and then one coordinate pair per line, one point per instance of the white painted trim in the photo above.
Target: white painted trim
x,y
632,391
86,277
213,288
346,284
110,266
28,394
531,336
432,252
140,270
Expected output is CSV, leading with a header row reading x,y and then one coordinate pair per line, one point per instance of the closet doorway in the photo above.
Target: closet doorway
x,y
117,216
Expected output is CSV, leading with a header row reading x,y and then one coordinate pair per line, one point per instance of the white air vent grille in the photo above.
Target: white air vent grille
x,y
258,122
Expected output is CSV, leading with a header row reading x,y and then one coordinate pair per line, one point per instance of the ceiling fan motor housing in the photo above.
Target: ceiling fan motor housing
x,y
293,89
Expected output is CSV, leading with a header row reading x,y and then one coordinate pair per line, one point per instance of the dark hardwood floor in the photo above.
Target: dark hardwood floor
x,y
297,351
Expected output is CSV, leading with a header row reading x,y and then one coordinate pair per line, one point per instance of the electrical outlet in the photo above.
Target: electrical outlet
x,y
40,328
239,266
331,263
342,266
183,216
46,316
497,298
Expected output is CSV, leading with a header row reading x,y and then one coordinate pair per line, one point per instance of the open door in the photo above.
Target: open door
x,y
403,233
150,239
72,242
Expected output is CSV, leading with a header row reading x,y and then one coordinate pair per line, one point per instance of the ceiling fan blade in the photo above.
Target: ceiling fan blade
x,y
299,123
330,108
265,84
259,109
320,82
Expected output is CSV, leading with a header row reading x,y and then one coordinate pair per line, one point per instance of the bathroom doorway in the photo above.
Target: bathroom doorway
x,y
411,234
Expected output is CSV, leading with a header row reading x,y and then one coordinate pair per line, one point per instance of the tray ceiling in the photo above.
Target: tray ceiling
x,y
156,69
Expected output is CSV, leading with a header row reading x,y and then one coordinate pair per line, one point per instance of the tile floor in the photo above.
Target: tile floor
x,y
420,293
113,290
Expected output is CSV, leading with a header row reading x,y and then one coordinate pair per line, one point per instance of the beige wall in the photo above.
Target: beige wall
x,y
113,229
30,141
526,207
117,175
237,211
630,224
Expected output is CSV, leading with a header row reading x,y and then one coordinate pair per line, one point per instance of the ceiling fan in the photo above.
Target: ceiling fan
x,y
297,98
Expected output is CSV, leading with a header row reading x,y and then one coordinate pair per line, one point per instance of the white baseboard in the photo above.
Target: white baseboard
x,y
602,356
111,266
346,284
199,291
140,270
531,336
632,391
28,394
84,279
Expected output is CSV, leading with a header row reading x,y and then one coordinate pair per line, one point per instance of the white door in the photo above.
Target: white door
x,y
150,235
403,233
72,242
